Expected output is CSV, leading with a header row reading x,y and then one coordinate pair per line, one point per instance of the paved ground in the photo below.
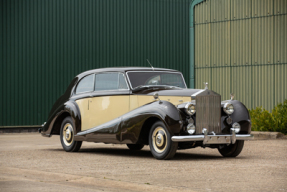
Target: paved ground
x,y
30,162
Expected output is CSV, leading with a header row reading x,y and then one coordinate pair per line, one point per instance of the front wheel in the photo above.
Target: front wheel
x,y
67,136
160,143
231,150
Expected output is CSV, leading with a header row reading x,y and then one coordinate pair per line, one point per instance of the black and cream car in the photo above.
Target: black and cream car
x,y
146,106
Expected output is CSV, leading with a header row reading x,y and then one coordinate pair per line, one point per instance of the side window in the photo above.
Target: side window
x,y
86,84
110,81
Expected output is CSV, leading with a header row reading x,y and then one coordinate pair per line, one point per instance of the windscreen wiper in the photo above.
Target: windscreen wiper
x,y
142,87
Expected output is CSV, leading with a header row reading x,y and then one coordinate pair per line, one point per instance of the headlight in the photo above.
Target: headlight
x,y
228,108
190,128
236,127
190,108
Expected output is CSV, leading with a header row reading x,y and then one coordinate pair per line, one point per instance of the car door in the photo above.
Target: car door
x,y
109,101
82,96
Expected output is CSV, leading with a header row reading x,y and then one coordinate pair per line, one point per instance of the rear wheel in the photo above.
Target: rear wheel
x,y
232,150
67,136
160,143
135,147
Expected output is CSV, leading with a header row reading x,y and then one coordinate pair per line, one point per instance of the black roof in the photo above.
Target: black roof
x,y
123,69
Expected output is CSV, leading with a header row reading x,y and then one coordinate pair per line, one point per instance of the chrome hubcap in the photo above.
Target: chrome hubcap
x,y
159,139
68,134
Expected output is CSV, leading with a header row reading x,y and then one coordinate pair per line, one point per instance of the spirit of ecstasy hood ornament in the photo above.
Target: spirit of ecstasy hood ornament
x,y
231,96
206,85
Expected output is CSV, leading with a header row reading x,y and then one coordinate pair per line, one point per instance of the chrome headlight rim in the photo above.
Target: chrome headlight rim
x,y
190,108
227,110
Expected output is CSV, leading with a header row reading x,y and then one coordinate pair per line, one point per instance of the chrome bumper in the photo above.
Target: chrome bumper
x,y
214,139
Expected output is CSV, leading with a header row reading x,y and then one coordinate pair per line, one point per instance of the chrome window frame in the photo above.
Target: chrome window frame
x,y
76,86
152,72
128,88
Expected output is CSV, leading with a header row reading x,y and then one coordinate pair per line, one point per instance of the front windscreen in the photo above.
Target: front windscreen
x,y
156,78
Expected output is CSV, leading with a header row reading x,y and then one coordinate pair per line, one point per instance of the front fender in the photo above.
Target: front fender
x,y
240,115
132,122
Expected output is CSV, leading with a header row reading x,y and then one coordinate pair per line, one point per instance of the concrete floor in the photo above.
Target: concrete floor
x,y
30,162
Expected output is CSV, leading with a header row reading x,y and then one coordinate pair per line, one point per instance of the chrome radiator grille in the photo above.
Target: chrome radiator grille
x,y
208,112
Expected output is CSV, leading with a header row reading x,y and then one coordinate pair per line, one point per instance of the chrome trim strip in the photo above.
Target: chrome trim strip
x,y
202,137
244,137
233,135
187,138
194,95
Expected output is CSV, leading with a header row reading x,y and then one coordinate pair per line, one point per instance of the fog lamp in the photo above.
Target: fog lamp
x,y
236,127
190,128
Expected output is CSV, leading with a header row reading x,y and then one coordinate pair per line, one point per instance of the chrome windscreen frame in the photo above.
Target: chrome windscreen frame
x,y
153,72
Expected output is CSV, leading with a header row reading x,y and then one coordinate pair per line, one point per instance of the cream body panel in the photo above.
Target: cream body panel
x,y
84,110
105,109
175,100
133,102
102,110
99,110
144,99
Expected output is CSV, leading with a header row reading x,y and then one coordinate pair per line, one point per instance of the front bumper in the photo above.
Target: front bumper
x,y
214,139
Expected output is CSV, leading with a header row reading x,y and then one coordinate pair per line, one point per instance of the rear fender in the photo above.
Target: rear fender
x,y
70,108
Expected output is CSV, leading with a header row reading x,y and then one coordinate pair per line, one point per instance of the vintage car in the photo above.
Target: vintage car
x,y
140,106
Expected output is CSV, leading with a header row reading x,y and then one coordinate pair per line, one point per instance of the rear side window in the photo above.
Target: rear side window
x,y
86,84
110,81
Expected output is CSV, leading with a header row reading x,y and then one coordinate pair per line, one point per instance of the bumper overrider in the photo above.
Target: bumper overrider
x,y
213,139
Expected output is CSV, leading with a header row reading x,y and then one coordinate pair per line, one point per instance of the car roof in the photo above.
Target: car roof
x,y
123,69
